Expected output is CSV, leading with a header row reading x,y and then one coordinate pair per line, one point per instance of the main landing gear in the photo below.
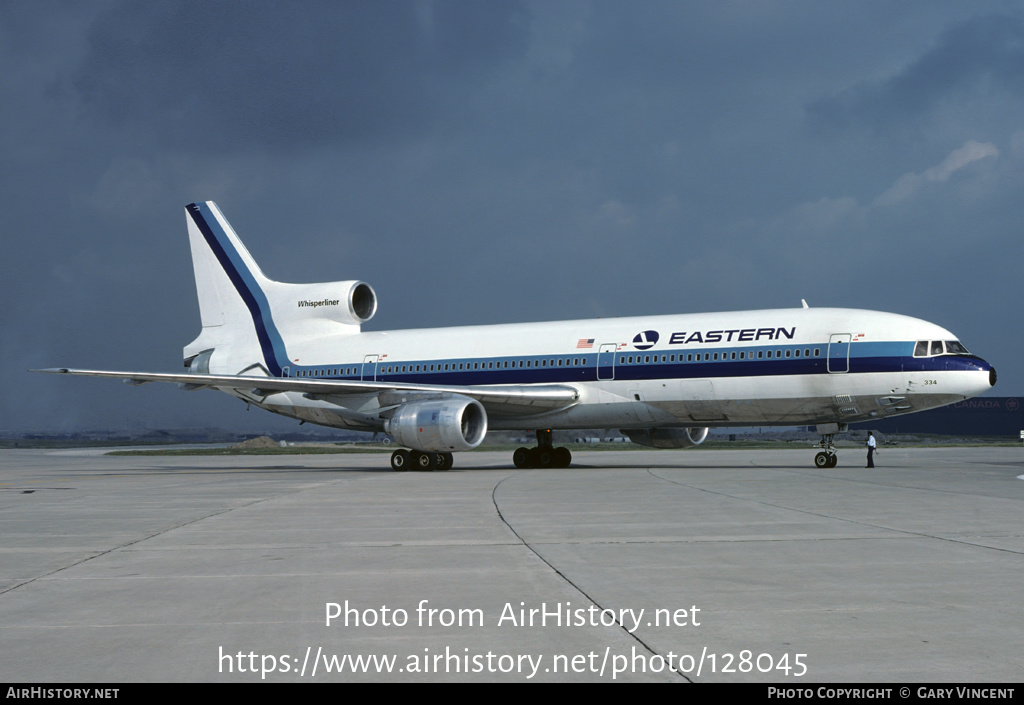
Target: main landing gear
x,y
827,457
544,455
427,461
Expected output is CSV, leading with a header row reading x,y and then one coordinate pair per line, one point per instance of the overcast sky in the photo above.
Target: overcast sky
x,y
499,161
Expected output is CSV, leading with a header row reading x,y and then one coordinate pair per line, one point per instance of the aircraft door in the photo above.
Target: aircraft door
x,y
606,361
369,371
839,352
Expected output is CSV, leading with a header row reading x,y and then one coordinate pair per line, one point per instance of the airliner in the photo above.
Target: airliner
x,y
298,350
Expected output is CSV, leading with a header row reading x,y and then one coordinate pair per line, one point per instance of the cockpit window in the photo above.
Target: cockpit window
x,y
931,348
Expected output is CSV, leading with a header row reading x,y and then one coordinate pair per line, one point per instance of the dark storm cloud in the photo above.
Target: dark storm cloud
x,y
970,59
279,74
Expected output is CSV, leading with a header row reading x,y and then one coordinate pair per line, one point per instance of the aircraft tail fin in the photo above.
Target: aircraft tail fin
x,y
227,276
249,319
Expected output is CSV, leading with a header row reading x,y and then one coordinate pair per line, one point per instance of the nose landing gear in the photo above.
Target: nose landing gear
x,y
827,457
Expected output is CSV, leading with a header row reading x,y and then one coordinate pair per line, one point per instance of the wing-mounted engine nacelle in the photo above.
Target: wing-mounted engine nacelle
x,y
668,437
442,425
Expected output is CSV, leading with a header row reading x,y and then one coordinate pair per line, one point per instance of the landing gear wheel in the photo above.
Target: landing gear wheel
x,y
827,458
445,461
543,456
400,460
424,461
521,458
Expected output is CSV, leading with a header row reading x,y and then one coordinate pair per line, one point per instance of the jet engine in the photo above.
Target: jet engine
x,y
351,302
441,425
668,437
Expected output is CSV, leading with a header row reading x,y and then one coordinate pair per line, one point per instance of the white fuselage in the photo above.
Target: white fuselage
x,y
771,367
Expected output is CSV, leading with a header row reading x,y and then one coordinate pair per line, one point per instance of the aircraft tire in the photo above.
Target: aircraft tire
x,y
425,462
833,461
445,461
563,457
521,458
400,460
822,460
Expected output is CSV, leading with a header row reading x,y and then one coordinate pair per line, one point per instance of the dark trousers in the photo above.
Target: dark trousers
x,y
871,457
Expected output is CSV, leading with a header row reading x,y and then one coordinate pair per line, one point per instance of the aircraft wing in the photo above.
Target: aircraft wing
x,y
500,400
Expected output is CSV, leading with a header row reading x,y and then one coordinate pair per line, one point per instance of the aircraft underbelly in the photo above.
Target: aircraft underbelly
x,y
746,401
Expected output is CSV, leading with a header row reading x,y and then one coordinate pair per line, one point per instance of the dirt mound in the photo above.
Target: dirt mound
x,y
256,443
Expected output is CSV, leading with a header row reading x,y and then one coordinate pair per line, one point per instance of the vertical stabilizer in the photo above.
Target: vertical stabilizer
x,y
250,320
236,314
219,299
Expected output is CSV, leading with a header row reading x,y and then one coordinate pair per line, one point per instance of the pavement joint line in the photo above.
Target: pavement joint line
x,y
563,576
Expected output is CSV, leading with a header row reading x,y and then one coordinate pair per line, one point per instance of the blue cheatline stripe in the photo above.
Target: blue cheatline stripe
x,y
271,343
636,372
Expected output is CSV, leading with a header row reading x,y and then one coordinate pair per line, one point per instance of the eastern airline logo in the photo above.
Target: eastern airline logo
x,y
645,340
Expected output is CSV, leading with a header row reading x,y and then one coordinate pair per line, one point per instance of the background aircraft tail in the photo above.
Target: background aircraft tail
x,y
250,321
